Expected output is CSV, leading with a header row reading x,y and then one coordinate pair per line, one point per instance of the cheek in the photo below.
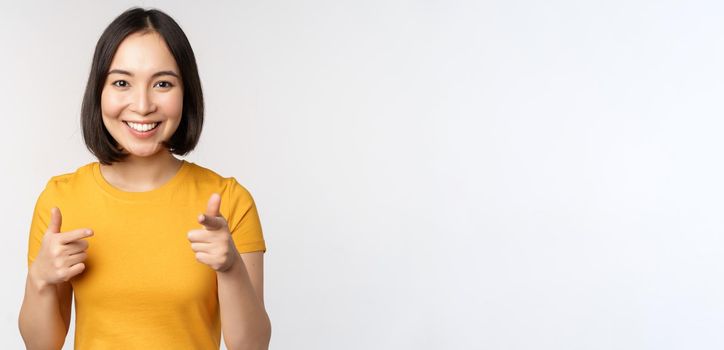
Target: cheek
x,y
111,104
172,104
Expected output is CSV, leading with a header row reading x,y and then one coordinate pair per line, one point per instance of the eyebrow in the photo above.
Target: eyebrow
x,y
157,74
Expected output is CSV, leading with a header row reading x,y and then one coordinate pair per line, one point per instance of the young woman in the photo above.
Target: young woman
x,y
159,253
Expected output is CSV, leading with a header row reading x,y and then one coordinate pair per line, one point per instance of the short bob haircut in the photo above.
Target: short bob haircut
x,y
97,138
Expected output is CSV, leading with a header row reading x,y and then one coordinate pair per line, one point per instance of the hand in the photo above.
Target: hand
x,y
61,254
213,244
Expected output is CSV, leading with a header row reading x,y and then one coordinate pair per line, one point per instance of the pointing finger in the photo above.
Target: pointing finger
x,y
211,223
75,235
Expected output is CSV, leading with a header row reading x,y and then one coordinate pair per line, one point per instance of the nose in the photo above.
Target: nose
x,y
143,103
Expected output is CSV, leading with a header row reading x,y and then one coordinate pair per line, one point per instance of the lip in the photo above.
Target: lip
x,y
143,135
142,122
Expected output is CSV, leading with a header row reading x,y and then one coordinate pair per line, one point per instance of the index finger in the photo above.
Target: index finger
x,y
212,223
74,235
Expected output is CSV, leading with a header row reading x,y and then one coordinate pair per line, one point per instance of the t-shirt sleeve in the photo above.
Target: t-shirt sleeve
x,y
39,224
243,219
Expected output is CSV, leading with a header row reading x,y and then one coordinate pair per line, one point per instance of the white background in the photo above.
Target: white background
x,y
429,174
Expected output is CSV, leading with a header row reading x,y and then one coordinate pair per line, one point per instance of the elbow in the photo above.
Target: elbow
x,y
36,341
267,335
257,340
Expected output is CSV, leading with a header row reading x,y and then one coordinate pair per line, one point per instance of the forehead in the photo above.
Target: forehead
x,y
143,52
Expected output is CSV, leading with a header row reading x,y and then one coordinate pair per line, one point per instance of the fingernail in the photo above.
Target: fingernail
x,y
88,232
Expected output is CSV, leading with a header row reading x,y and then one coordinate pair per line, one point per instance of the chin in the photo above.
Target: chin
x,y
141,153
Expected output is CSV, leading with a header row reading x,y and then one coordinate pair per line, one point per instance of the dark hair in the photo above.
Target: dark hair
x,y
97,138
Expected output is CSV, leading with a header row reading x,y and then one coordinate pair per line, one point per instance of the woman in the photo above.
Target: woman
x,y
124,235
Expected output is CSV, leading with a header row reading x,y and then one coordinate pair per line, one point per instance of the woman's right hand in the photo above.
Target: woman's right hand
x,y
61,254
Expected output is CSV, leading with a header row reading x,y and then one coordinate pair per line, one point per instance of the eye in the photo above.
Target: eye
x,y
167,84
120,83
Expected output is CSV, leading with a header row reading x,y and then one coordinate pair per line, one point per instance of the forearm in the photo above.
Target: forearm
x,y
244,322
41,325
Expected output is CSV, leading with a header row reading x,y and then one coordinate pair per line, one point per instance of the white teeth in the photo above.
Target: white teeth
x,y
141,127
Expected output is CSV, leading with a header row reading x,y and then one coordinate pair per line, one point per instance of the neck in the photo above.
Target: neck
x,y
138,174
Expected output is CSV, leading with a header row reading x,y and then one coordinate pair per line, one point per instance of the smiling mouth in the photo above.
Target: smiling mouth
x,y
142,127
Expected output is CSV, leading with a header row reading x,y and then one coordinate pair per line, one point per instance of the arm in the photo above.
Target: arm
x,y
244,321
45,313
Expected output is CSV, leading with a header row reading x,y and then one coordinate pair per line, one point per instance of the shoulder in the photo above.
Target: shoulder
x,y
62,183
59,186
227,185
236,200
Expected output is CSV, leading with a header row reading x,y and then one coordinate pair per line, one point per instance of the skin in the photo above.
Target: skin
x,y
132,93
144,85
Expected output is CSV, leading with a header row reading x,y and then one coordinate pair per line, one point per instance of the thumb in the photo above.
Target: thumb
x,y
212,208
55,220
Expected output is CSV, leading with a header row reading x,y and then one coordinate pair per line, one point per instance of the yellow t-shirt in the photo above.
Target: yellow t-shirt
x,y
143,287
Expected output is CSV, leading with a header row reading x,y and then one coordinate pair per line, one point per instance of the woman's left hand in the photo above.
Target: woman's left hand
x,y
213,244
